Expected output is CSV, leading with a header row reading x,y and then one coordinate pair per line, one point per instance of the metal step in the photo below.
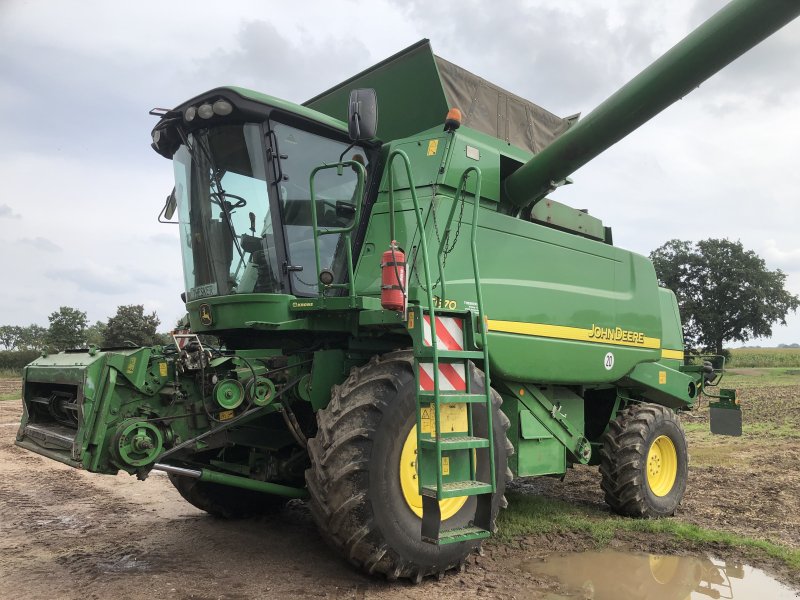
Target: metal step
x,y
450,398
51,435
456,489
427,352
462,534
461,442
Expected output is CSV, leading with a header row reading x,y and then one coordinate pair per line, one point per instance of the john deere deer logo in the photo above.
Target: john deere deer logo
x,y
205,315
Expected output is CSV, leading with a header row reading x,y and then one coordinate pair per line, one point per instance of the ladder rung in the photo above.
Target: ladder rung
x,y
461,534
450,398
427,352
456,489
461,442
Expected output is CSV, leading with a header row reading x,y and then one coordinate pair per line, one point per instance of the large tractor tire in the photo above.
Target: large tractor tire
x,y
224,501
359,485
644,464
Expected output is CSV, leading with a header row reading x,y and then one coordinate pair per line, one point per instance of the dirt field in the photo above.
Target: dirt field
x,y
69,534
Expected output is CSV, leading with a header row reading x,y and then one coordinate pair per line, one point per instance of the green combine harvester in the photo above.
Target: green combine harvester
x,y
405,319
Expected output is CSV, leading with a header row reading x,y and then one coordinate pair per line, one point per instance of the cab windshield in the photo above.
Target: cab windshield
x,y
238,238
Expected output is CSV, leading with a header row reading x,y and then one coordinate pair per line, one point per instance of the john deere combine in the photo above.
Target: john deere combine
x,y
405,318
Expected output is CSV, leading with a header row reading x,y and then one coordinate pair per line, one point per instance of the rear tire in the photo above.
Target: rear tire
x,y
644,462
224,501
354,482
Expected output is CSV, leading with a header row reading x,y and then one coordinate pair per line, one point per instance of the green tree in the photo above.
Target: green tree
x,y
32,337
67,328
96,334
725,293
9,336
131,325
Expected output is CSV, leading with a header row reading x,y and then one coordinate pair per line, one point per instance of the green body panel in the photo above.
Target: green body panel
x,y
231,312
662,384
537,452
410,93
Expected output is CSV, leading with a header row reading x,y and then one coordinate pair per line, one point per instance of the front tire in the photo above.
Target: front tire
x,y
354,480
644,462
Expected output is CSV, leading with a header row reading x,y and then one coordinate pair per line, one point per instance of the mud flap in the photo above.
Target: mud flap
x,y
726,414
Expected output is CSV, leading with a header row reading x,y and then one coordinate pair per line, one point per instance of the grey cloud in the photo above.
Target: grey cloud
x,y
169,239
295,69
7,213
768,72
90,280
40,243
562,61
100,281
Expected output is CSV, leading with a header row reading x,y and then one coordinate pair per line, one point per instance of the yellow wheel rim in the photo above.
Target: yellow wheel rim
x,y
662,466
410,485
664,568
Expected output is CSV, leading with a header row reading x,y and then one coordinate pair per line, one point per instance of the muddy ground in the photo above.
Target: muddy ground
x,y
65,533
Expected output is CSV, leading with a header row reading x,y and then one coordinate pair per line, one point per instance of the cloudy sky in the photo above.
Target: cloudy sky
x,y
80,188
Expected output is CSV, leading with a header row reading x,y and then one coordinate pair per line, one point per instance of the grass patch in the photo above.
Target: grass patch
x,y
760,377
10,373
765,357
10,396
530,515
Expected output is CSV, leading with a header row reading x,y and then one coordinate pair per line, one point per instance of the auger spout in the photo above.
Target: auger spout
x,y
724,37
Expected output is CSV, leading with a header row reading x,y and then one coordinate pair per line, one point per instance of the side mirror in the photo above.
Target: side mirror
x,y
170,205
166,214
362,115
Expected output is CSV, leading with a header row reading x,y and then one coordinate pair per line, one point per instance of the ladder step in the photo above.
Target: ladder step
x,y
461,442
450,397
456,489
461,534
427,352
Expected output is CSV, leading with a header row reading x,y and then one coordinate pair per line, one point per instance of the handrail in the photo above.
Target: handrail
x,y
359,193
487,382
429,291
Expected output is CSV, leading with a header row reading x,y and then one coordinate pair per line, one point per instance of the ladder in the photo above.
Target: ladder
x,y
449,453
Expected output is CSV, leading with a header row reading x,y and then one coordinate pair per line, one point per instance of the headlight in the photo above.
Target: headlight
x,y
205,111
222,108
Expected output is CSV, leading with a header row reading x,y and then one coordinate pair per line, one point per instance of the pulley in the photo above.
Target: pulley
x,y
260,391
137,443
229,393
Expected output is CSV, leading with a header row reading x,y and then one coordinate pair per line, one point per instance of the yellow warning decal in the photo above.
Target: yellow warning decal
x,y
445,465
131,365
433,146
411,320
162,369
662,377
454,419
427,419
225,415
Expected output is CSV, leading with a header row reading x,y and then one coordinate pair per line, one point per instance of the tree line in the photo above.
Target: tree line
x,y
70,328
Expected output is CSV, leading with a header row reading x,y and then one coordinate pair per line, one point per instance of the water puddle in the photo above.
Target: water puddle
x,y
613,575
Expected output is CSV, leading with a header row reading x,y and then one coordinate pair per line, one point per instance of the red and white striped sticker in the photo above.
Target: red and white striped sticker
x,y
449,332
182,337
451,377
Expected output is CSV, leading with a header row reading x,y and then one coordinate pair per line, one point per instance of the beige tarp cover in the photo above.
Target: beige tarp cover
x,y
496,112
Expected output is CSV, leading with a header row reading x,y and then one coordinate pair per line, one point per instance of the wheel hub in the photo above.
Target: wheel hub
x,y
662,466
409,481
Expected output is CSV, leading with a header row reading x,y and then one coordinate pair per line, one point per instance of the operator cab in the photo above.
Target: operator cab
x,y
243,164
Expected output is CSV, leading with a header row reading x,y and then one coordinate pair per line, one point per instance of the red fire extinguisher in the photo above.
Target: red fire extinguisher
x,y
393,278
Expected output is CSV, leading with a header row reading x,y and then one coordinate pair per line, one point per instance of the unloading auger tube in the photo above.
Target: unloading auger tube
x,y
728,34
